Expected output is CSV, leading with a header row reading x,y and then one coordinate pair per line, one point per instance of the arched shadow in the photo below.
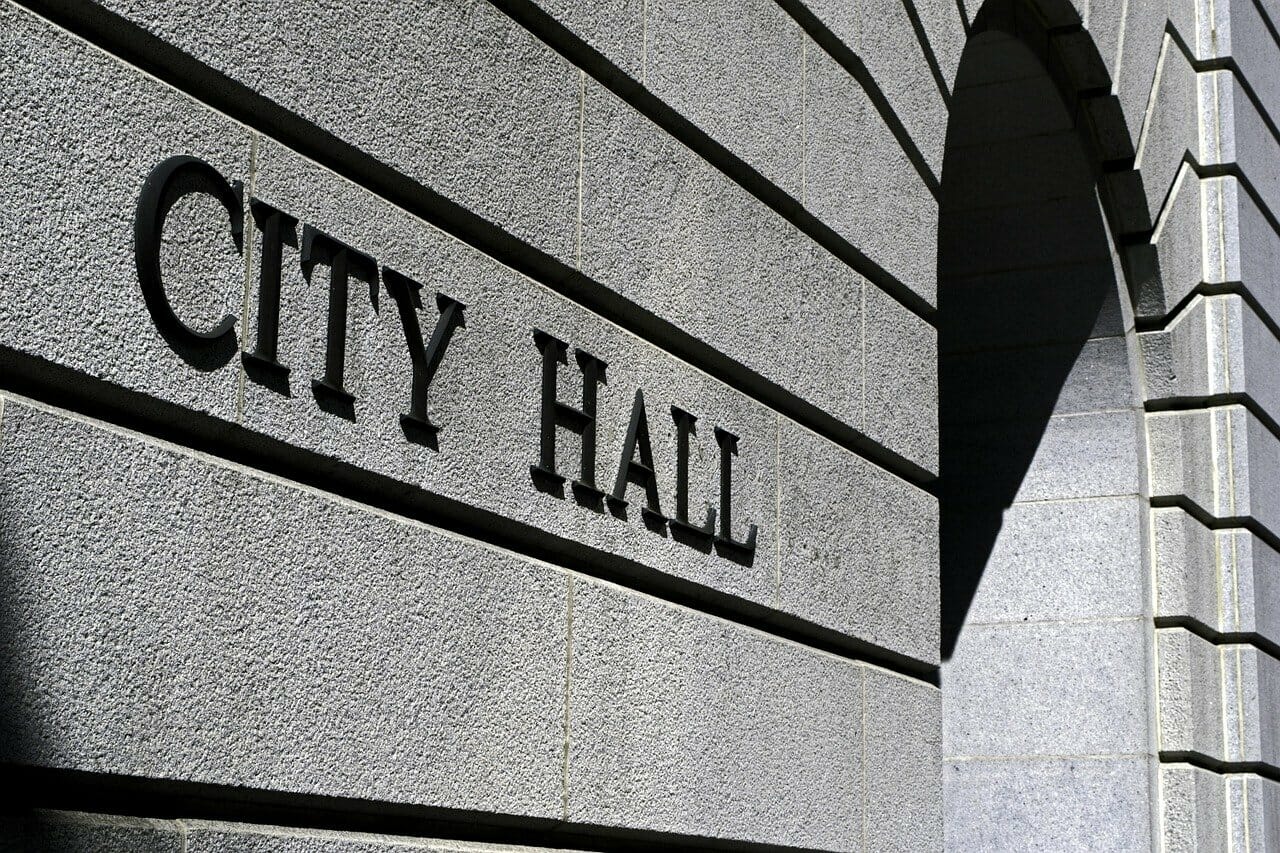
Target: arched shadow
x,y
1026,283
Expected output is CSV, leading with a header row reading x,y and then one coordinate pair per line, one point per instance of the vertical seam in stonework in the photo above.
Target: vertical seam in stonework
x,y
568,676
804,119
1239,706
248,270
866,802
863,379
1224,345
777,512
1235,578
644,42
1220,577
1223,694
582,161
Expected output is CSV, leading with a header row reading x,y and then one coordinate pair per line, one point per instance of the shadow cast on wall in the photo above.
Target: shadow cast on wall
x,y
1026,281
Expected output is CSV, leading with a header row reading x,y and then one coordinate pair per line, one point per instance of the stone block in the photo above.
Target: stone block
x,y
1187,571
736,70
680,722
1236,132
1193,810
1254,807
903,748
82,133
901,379
1179,245
1217,458
1037,382
616,28
1063,457
1216,345
1189,674
1007,683
72,832
1171,124
1249,584
1076,559
1251,691
1097,804
1218,701
170,617
859,555
1073,303
858,180
482,111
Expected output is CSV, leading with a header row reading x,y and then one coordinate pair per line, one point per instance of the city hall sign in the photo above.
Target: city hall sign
x,y
180,176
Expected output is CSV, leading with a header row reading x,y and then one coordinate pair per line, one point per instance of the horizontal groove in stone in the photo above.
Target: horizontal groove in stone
x,y
1222,768
1219,638
65,388
113,34
1213,523
169,799
1215,401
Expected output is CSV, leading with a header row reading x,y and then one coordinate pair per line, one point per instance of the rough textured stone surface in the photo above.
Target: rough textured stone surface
x,y
164,617
859,556
45,832
1219,701
904,799
859,181
81,134
1190,693
736,69
1217,345
1074,456
1216,458
1073,559
1098,804
486,395
666,230
1193,810
882,35
901,379
687,724
463,76
1001,677
616,28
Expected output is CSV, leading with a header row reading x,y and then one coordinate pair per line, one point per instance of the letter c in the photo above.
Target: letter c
x,y
167,183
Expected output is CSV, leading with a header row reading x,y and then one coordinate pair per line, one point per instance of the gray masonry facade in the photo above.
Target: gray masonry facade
x,y
744,425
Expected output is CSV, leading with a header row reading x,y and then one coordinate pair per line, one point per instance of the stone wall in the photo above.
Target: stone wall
x,y
521,424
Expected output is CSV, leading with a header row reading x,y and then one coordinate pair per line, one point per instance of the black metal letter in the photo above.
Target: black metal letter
x,y
558,414
725,543
278,229
343,262
407,294
681,530
640,473
168,182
